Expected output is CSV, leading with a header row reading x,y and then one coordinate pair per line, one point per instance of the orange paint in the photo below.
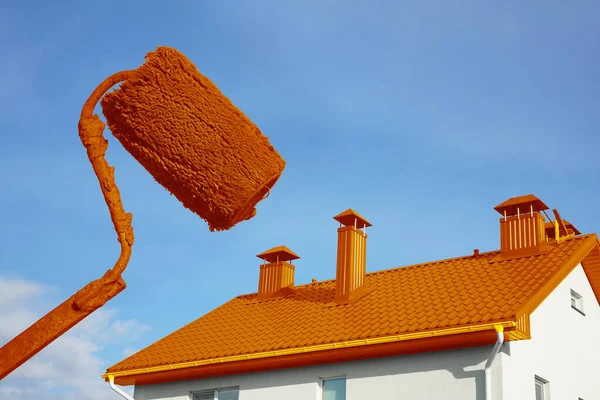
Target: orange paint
x,y
57,322
192,139
95,294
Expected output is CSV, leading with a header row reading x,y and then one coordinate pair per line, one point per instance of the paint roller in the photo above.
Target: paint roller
x,y
191,138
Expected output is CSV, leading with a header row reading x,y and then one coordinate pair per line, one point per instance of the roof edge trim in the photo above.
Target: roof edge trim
x,y
591,268
310,349
554,280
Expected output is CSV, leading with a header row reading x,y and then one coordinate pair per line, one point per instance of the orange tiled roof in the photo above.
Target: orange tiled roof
x,y
443,294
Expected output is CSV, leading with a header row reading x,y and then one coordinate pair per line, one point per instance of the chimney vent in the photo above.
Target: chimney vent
x,y
276,276
522,227
551,229
351,268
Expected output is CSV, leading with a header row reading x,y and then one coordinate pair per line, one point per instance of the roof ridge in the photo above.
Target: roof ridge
x,y
426,263
385,270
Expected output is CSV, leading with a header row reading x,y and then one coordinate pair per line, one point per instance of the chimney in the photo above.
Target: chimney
x,y
351,266
522,227
276,276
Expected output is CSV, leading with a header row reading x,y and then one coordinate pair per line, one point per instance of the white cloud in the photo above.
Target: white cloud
x,y
128,328
14,290
102,327
70,367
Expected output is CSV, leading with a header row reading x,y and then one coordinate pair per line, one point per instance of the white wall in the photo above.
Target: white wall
x,y
448,375
564,349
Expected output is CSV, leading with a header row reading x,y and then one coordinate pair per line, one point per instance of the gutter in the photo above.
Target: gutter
x,y
488,365
315,349
111,383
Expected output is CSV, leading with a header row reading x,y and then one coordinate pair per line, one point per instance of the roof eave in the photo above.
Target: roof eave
x,y
434,340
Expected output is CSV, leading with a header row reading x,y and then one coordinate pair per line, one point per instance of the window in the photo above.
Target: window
x,y
221,394
541,389
334,389
576,301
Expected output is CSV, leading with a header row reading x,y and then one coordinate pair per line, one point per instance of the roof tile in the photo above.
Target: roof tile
x,y
435,295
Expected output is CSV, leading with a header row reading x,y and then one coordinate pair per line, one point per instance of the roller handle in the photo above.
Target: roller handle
x,y
96,293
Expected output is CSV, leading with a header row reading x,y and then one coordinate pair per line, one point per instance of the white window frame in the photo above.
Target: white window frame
x,y
328,378
214,391
577,302
545,385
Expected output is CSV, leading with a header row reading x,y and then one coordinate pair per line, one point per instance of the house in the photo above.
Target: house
x,y
520,323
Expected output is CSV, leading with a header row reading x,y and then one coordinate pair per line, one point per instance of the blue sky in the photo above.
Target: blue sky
x,y
422,117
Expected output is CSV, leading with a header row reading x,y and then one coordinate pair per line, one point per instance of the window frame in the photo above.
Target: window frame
x,y
577,302
215,392
544,385
329,378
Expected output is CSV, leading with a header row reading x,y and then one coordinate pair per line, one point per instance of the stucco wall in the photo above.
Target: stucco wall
x,y
448,375
564,348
